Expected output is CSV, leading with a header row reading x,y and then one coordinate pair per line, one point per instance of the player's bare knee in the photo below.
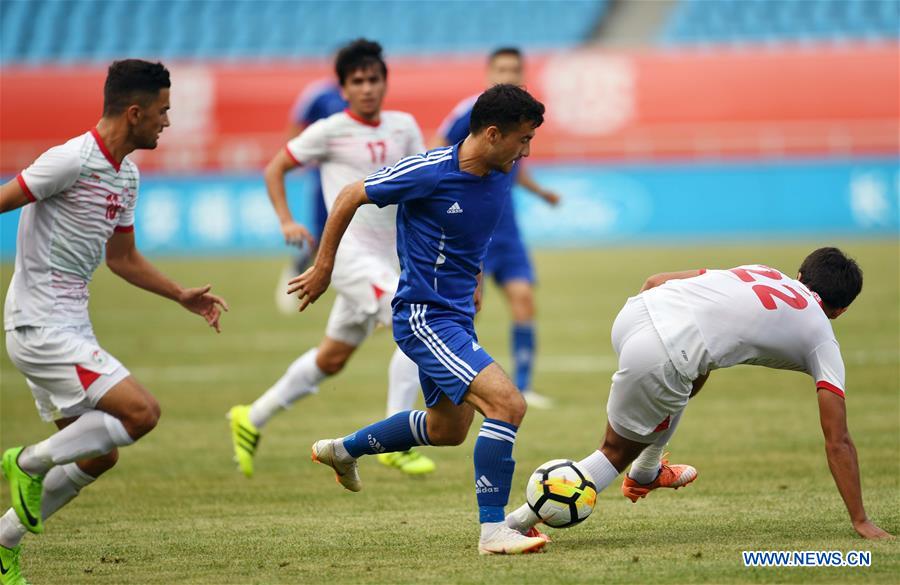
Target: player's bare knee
x,y
142,418
331,364
157,410
105,462
517,409
508,406
523,309
97,466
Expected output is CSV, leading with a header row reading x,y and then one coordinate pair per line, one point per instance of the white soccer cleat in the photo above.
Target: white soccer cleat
x,y
506,541
538,401
346,472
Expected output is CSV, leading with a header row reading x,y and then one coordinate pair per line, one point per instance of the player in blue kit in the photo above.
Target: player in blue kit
x,y
449,202
507,259
317,101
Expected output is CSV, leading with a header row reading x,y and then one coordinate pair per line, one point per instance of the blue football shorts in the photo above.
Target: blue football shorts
x,y
444,346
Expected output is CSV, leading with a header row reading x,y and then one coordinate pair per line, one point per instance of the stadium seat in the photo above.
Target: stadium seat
x,y
703,22
36,31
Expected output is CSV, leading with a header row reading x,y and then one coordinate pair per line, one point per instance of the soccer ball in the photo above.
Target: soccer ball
x,y
561,493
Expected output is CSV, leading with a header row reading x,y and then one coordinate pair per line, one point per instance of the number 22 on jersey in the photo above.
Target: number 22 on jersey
x,y
767,294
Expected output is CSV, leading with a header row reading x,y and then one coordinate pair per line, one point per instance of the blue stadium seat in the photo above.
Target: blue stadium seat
x,y
751,21
36,31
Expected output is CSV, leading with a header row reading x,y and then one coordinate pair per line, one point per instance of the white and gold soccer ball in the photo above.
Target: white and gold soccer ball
x,y
561,493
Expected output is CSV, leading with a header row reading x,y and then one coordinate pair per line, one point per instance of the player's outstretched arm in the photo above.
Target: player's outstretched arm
x,y
664,277
311,284
278,167
524,179
843,462
125,261
12,196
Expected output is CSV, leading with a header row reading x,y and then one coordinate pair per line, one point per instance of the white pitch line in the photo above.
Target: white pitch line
x,y
570,364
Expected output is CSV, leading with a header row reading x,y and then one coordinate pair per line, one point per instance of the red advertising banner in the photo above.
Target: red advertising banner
x,y
832,100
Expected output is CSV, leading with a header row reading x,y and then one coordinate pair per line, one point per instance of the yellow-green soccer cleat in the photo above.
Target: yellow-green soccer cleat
x,y
25,491
410,462
244,438
10,574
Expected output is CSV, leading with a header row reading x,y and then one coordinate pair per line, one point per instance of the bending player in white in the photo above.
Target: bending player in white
x,y
79,197
348,146
683,325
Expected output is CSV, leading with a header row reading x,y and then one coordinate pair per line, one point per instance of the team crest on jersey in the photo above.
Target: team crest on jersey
x,y
113,205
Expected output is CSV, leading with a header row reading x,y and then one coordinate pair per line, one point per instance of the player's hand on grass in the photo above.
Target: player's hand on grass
x,y
295,234
868,529
310,285
209,306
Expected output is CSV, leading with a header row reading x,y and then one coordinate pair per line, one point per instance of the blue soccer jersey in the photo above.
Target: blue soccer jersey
x,y
506,258
445,220
319,100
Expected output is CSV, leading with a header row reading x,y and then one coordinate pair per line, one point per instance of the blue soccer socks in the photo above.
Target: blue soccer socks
x,y
400,432
494,468
523,353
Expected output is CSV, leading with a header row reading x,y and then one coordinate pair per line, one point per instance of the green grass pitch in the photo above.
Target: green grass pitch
x,y
175,510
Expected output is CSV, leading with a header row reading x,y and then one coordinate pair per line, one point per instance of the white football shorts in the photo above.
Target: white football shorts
x,y
365,285
65,367
647,391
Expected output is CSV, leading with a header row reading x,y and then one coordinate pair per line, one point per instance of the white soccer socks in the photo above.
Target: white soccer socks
x,y
94,433
301,379
645,468
600,469
522,519
403,383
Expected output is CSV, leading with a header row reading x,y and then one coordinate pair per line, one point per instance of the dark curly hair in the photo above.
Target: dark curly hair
x,y
132,81
360,54
833,275
506,107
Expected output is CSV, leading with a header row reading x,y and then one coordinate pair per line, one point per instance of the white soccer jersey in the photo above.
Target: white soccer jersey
x,y
746,315
349,149
80,197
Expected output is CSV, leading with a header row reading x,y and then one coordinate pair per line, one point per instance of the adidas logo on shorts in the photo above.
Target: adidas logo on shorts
x,y
455,208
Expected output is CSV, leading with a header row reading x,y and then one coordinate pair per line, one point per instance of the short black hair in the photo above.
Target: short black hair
x,y
500,51
360,54
505,106
832,275
132,81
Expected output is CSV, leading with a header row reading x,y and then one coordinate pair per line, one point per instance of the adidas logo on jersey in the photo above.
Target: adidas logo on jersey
x,y
475,346
455,208
483,486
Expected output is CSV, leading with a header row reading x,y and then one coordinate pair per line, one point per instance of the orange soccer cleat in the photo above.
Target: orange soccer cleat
x,y
534,532
670,476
